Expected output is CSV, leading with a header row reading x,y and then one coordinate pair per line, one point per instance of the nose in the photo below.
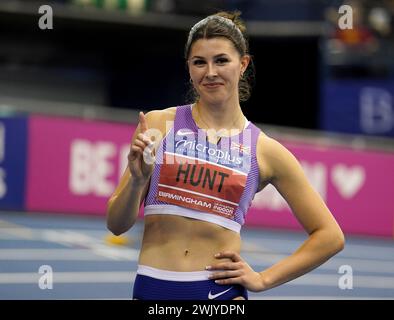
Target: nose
x,y
211,71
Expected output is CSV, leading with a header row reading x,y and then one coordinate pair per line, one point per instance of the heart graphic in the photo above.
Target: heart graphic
x,y
347,180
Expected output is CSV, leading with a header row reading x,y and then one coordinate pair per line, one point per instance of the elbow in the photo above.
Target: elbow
x,y
113,224
332,240
114,229
117,229
342,242
338,241
116,232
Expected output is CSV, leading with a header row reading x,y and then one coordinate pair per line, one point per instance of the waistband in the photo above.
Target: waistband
x,y
173,275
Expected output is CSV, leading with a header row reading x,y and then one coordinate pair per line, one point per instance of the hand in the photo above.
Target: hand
x,y
142,154
236,271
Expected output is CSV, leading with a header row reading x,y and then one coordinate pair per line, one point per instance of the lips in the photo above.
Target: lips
x,y
212,85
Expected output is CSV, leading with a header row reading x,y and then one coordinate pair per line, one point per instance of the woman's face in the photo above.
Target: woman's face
x,y
215,67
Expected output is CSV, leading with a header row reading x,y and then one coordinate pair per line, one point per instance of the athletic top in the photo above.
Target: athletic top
x,y
195,178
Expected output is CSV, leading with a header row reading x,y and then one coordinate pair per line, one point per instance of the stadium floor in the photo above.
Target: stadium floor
x,y
85,266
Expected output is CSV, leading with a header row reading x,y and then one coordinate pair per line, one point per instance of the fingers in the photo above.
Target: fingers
x,y
142,144
143,122
224,266
227,270
142,141
231,272
236,271
226,275
149,154
134,152
234,280
230,255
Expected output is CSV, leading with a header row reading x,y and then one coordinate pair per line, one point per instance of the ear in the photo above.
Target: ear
x,y
245,62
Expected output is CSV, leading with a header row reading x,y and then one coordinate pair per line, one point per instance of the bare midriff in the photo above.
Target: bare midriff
x,y
178,243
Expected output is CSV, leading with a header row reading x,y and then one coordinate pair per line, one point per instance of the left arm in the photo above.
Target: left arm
x,y
325,236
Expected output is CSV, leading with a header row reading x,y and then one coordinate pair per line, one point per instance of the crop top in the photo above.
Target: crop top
x,y
195,178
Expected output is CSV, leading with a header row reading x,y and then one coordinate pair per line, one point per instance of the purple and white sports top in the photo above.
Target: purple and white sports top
x,y
198,179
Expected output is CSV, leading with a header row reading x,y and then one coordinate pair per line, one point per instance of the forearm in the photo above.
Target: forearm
x,y
123,208
318,248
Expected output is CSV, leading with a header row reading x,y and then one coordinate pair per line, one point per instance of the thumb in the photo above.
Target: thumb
x,y
143,122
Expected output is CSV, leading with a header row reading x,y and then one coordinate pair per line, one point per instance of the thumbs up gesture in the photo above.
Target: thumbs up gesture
x,y
142,154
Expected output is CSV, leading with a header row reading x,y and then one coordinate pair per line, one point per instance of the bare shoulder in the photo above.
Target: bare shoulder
x,y
273,158
158,119
157,116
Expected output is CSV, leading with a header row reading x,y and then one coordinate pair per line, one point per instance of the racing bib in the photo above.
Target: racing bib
x,y
200,184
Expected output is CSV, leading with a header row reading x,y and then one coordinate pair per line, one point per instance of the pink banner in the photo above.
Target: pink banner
x,y
74,165
357,186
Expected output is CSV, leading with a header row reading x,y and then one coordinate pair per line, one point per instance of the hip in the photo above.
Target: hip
x,y
156,284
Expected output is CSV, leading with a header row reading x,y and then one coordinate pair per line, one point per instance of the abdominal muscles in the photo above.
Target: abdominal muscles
x,y
184,244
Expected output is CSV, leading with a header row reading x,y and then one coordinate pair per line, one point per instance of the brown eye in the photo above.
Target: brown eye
x,y
198,62
222,60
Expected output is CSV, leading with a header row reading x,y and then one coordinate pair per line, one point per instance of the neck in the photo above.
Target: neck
x,y
219,116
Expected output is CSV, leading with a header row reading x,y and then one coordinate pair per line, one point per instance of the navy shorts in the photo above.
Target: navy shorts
x,y
155,284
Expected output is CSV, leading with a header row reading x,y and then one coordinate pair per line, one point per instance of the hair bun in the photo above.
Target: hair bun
x,y
235,17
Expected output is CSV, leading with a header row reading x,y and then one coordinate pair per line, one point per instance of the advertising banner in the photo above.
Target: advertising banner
x,y
13,135
357,186
363,106
75,165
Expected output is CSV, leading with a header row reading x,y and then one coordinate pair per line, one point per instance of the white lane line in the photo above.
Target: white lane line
x,y
20,232
98,254
69,277
70,239
361,265
352,250
358,265
372,282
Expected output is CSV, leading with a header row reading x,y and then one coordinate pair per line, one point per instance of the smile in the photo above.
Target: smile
x,y
212,85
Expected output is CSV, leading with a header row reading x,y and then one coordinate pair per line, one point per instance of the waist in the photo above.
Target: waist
x,y
183,244
167,209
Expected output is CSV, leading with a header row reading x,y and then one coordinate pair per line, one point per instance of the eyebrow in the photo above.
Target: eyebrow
x,y
217,56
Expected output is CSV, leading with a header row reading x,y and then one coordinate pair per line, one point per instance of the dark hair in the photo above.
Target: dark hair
x,y
230,26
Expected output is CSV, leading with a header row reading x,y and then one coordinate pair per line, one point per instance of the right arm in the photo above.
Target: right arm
x,y
123,206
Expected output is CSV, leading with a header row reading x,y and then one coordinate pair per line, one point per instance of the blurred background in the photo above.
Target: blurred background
x,y
69,101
